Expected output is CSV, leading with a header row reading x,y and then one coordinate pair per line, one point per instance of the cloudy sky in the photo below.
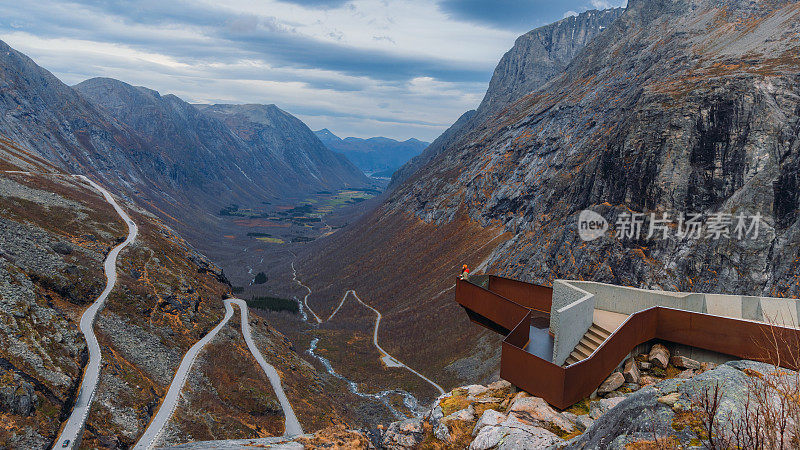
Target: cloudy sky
x,y
396,68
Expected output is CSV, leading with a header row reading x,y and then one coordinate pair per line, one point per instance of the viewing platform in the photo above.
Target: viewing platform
x,y
561,343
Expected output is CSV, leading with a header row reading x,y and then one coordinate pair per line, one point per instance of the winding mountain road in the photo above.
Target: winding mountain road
x,y
170,403
388,359
91,374
305,299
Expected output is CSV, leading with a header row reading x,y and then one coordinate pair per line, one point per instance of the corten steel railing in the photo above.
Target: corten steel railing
x,y
565,386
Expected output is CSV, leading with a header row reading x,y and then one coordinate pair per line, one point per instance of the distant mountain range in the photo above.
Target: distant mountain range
x,y
181,160
377,156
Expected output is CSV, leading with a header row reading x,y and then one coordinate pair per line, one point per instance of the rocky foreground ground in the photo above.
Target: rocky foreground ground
x,y
656,400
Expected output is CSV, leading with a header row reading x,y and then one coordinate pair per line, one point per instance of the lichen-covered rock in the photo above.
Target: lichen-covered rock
x,y
490,417
536,411
652,409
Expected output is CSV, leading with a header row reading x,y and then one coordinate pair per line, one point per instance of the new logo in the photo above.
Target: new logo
x,y
591,225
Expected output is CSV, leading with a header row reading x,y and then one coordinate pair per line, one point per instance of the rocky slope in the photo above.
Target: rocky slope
x,y
55,235
536,58
377,155
56,232
668,412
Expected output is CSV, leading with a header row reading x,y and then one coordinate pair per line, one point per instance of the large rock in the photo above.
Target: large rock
x,y
18,397
631,371
535,411
404,434
488,438
651,408
659,356
683,362
490,417
612,383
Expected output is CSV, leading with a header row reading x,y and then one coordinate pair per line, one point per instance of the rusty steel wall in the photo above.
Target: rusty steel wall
x,y
563,387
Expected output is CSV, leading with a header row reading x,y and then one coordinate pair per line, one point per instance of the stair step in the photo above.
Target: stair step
x,y
598,334
593,339
585,348
582,353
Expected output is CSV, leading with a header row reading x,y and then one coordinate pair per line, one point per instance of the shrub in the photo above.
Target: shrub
x,y
260,278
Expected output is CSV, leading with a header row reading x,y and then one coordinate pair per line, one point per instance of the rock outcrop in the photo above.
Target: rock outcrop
x,y
669,413
537,57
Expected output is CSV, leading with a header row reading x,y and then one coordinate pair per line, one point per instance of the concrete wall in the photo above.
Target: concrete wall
x,y
571,316
628,300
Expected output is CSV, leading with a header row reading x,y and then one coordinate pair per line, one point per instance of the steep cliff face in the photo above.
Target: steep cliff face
x,y
535,59
199,152
540,55
679,107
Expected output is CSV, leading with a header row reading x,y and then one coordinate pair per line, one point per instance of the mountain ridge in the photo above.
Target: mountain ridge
x,y
375,154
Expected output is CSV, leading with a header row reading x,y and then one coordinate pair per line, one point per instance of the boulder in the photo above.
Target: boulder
x,y
612,383
499,385
670,399
644,365
529,440
659,356
600,407
18,397
404,434
441,432
465,415
686,374
683,362
490,417
536,411
488,438
475,390
631,371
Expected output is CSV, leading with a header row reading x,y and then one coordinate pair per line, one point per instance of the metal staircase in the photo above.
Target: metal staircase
x,y
595,336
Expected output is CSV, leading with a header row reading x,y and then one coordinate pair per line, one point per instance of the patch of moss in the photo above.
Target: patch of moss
x,y
580,408
454,403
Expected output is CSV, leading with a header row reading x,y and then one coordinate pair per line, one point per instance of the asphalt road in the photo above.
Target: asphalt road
x,y
167,408
91,374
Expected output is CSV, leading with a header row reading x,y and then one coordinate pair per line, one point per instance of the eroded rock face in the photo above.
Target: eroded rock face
x,y
537,57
